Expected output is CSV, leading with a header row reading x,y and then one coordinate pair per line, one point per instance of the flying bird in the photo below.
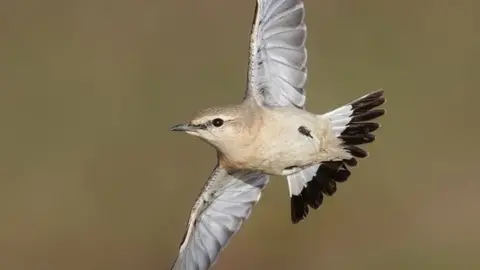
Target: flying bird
x,y
271,133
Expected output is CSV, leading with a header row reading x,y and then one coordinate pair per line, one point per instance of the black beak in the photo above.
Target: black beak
x,y
183,127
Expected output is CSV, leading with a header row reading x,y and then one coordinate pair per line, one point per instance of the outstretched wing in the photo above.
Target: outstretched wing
x,y
277,69
224,203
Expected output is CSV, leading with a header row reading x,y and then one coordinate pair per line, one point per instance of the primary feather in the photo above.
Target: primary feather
x,y
278,56
224,203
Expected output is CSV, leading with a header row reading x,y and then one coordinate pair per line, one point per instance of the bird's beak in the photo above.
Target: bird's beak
x,y
184,127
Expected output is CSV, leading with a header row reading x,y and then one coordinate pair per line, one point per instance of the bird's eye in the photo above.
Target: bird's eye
x,y
217,122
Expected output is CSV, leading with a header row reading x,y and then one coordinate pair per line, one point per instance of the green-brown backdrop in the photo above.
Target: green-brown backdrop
x,y
92,178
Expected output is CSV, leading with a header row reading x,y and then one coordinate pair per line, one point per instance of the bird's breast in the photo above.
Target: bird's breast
x,y
285,140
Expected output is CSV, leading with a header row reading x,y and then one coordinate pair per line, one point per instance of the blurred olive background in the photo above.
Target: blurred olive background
x,y
92,178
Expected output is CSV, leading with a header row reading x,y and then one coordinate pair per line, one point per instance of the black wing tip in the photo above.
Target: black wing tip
x,y
299,208
356,151
362,116
368,102
329,173
360,138
358,131
374,95
362,128
351,162
324,183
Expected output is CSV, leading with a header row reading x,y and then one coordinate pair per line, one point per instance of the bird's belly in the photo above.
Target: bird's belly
x,y
287,160
288,150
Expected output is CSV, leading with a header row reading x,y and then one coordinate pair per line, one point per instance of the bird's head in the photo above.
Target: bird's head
x,y
219,127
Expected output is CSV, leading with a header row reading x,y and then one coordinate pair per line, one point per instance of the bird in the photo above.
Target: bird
x,y
271,133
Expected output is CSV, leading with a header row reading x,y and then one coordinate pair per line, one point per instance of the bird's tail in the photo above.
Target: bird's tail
x,y
350,123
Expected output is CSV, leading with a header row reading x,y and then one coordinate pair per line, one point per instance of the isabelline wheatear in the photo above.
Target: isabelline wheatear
x,y
270,133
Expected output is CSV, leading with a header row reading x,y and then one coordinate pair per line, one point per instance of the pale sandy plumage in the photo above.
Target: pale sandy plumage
x,y
270,133
259,147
